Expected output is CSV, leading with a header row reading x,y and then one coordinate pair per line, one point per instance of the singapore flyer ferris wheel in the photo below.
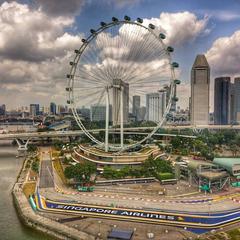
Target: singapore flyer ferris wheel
x,y
122,72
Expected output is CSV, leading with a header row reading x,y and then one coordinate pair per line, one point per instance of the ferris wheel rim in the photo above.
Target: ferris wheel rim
x,y
77,58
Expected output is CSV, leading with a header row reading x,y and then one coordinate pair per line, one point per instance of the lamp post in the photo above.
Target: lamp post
x,y
99,229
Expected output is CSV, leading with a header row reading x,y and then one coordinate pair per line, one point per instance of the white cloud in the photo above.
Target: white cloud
x,y
34,54
181,27
224,55
222,15
35,50
61,7
122,3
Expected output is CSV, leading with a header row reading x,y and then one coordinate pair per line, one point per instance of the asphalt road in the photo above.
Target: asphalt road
x,y
46,171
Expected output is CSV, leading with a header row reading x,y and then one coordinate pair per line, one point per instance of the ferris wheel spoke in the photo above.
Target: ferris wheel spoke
x,y
104,58
138,53
104,65
135,71
145,75
91,57
128,36
84,94
87,100
86,88
94,81
127,51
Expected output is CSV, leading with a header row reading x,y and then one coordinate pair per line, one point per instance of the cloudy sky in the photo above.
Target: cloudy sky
x,y
38,37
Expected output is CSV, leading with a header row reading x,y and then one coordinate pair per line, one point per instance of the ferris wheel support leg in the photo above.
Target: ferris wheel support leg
x,y
121,119
107,121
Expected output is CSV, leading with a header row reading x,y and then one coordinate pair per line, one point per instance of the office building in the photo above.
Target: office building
x,y
231,117
200,83
136,107
2,109
53,108
222,100
118,87
173,107
142,113
34,110
237,100
98,113
84,112
155,106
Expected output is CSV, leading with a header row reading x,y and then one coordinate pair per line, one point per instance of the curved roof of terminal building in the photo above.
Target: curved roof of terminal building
x,y
200,61
227,163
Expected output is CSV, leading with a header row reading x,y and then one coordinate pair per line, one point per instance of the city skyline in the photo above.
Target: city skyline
x,y
36,74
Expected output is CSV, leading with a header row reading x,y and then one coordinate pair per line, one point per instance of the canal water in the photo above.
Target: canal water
x,y
10,226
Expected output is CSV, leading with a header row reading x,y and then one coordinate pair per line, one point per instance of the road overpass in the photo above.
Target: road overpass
x,y
130,130
55,134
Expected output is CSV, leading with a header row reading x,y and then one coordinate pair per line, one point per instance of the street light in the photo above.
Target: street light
x,y
99,232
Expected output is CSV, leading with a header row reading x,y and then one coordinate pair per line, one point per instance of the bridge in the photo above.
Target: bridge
x,y
19,137
52,134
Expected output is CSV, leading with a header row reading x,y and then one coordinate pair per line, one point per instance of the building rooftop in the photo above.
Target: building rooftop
x,y
195,164
200,61
120,234
227,163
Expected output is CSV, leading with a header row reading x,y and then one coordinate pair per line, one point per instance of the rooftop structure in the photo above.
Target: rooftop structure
x,y
206,174
232,165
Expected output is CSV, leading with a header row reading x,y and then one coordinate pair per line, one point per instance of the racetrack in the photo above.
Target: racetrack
x,y
197,223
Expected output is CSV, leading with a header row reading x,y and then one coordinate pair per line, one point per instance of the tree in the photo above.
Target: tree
x,y
153,167
81,172
233,148
31,148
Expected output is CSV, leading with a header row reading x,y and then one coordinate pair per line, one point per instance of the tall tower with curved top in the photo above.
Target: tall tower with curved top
x,y
200,84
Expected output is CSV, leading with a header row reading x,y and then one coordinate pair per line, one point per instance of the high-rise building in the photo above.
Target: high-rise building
x,y
173,107
231,116
222,100
237,100
34,110
2,109
61,109
142,113
85,112
136,107
200,83
53,108
98,113
118,87
155,106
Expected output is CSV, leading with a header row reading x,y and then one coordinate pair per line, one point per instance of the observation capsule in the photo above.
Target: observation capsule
x,y
69,76
77,51
139,20
162,35
92,31
176,81
127,18
175,99
114,19
151,26
175,64
68,89
72,63
69,101
103,24
84,40
170,49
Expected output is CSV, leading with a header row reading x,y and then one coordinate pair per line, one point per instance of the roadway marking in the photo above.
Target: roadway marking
x,y
197,223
